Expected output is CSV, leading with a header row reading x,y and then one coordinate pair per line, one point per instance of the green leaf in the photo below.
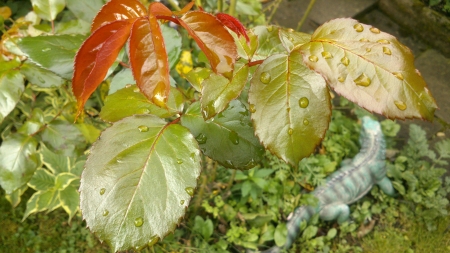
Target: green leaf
x,y
172,41
120,80
218,91
31,205
138,181
90,132
54,162
197,76
230,130
63,137
331,233
74,26
69,198
129,101
15,197
443,148
40,76
11,88
246,188
48,9
18,161
370,68
280,235
55,53
293,40
290,106
84,9
63,180
42,180
310,232
269,42
203,227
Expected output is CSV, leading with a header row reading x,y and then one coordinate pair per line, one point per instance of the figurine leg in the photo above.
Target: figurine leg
x,y
386,186
340,212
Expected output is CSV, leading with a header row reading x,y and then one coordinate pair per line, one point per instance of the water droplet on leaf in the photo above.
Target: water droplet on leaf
x,y
383,41
345,61
290,131
233,137
386,51
252,108
46,49
179,161
153,240
201,138
400,105
398,75
143,128
41,79
303,102
270,28
102,191
128,86
368,49
363,80
341,79
374,30
358,27
364,40
265,77
305,122
313,58
138,222
182,202
136,89
327,55
190,191
105,213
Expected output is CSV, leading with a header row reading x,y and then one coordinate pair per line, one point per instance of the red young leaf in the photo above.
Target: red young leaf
x,y
95,57
149,61
159,9
118,10
233,24
214,40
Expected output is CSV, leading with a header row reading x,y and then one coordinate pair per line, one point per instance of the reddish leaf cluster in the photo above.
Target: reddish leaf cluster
x,y
121,21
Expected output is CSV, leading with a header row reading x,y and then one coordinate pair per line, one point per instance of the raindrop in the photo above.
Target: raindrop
x,y
341,79
201,138
358,27
327,55
288,110
40,79
290,131
398,75
265,77
229,163
128,86
313,58
305,122
386,51
252,108
290,30
345,61
102,191
270,28
383,41
105,213
418,72
400,105
250,164
374,30
303,102
182,202
143,111
136,89
291,39
153,240
46,49
143,128
368,49
363,80
233,137
190,191
179,161
364,40
138,222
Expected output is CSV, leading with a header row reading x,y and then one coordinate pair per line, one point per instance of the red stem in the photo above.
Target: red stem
x,y
254,63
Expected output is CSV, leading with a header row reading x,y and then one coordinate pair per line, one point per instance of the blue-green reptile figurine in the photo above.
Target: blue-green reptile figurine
x,y
347,185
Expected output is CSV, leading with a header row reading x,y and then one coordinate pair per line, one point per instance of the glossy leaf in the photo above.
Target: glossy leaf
x,y
138,181
196,77
63,137
44,49
230,130
40,76
218,91
269,42
54,162
292,40
115,10
214,40
95,57
85,10
129,101
149,61
121,80
172,41
233,24
18,161
370,68
11,88
245,49
48,9
290,106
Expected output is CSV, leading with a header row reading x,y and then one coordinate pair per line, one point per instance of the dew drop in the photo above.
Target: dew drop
x,y
345,61
313,58
229,164
265,77
270,28
418,72
201,138
41,79
182,202
144,111
305,122
364,40
398,75
136,89
128,86
341,79
368,49
303,102
105,213
327,55
138,222
179,161
143,128
363,80
383,41
153,240
252,108
102,191
358,27
400,105
46,49
190,191
290,131
374,30
386,51
233,137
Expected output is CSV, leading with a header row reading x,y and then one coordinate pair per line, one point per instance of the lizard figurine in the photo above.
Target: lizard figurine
x,y
346,185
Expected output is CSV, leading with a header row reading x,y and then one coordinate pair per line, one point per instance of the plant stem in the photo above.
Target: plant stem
x,y
275,6
230,182
232,8
306,14
220,5
174,5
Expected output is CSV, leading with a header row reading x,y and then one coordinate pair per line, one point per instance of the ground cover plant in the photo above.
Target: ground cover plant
x,y
262,80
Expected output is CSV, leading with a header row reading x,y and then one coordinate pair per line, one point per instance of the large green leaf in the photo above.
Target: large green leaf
x,y
42,180
54,162
129,101
290,106
218,91
138,181
269,41
370,68
84,9
18,161
48,9
69,198
63,137
11,88
55,52
228,137
40,76
172,42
